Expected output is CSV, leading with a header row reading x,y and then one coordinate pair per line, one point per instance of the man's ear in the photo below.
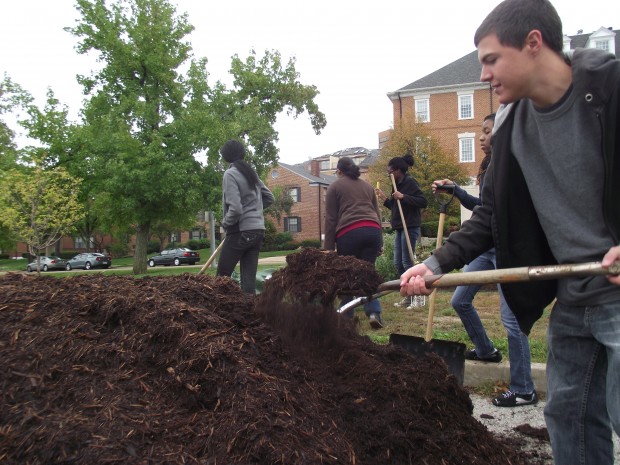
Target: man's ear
x,y
534,41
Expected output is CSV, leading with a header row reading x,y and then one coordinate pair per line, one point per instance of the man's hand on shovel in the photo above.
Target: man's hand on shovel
x,y
610,257
412,281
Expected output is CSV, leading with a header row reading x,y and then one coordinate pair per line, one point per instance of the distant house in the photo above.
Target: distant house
x,y
361,156
452,102
307,183
307,189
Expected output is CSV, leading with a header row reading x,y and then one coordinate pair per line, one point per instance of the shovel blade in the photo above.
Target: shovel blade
x,y
452,353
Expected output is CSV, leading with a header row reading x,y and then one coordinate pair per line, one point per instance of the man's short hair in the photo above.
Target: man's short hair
x,y
512,20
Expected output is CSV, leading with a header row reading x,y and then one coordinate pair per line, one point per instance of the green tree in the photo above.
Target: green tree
x,y
282,203
145,120
13,98
431,162
38,206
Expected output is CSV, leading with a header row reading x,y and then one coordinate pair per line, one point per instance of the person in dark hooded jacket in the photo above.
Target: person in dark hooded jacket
x,y
551,196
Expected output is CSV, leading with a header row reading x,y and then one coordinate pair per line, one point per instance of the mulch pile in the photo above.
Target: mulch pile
x,y
189,370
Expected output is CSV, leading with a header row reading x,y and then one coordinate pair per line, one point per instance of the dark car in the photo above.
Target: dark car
x,y
47,263
88,261
175,257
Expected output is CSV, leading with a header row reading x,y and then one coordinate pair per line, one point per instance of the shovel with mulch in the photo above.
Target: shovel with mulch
x,y
453,353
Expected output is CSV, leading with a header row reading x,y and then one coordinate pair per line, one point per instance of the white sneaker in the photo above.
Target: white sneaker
x,y
417,301
403,303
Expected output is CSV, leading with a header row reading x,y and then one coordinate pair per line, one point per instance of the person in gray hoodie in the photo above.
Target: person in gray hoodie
x,y
244,196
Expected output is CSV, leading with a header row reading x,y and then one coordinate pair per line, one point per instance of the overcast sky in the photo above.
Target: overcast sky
x,y
353,52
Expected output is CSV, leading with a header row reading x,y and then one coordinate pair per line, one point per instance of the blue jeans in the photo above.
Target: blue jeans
x,y
365,244
402,260
243,248
583,378
518,344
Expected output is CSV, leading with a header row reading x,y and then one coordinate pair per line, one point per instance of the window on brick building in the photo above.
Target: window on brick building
x,y
175,237
466,106
196,233
295,193
325,165
80,243
422,110
292,224
466,148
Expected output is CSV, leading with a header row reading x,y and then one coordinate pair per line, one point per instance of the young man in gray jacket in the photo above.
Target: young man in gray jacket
x,y
551,196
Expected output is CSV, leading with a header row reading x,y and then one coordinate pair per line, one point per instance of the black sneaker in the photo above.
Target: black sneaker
x,y
375,321
512,399
495,357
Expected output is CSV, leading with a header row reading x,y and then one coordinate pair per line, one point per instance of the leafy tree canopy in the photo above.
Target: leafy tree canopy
x,y
151,109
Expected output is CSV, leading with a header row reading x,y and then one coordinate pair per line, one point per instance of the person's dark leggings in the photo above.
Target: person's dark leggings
x,y
365,244
243,248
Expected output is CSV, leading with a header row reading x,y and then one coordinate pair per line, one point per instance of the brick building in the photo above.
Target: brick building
x,y
307,189
307,183
452,102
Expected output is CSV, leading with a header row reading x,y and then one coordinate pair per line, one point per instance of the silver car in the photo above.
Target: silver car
x,y
88,261
47,264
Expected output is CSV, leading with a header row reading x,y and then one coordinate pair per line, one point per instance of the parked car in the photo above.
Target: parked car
x,y
175,257
47,264
88,261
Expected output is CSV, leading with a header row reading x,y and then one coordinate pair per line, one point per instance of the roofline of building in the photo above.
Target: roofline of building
x,y
436,90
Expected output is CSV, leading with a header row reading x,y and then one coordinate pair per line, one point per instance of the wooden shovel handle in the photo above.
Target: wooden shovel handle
x,y
212,257
402,219
510,275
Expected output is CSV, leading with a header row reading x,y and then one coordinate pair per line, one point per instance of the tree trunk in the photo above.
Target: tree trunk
x,y
142,239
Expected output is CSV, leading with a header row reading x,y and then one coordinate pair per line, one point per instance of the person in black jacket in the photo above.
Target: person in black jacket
x,y
551,196
521,390
412,201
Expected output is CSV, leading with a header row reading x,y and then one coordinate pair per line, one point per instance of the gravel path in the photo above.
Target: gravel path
x,y
503,421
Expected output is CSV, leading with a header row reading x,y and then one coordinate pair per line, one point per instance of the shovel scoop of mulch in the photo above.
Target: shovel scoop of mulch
x,y
319,276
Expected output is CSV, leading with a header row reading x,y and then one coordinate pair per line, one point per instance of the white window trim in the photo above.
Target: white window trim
x,y
461,96
469,136
427,99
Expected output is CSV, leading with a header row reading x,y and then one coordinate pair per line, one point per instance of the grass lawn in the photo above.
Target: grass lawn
x,y
447,325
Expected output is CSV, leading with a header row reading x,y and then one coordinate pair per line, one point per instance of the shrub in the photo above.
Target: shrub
x,y
312,243
152,247
385,263
429,228
283,238
270,236
4,256
193,244
118,249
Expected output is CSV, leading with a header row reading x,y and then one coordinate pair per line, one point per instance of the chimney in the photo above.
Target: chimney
x,y
315,168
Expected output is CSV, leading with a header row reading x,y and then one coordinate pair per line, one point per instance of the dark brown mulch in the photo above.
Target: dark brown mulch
x,y
314,275
189,370
533,432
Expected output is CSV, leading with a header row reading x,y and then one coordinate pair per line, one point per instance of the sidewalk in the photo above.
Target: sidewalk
x,y
477,373
281,260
